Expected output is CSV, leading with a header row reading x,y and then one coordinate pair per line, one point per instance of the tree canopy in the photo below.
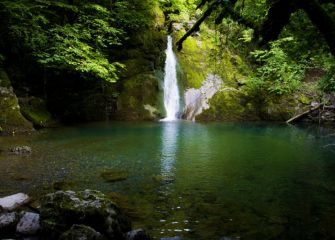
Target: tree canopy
x,y
277,15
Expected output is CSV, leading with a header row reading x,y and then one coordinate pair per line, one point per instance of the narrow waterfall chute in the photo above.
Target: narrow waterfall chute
x,y
171,91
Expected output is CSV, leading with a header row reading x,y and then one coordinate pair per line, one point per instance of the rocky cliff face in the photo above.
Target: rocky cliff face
x,y
140,84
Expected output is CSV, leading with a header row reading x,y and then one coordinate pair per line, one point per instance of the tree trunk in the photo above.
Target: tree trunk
x,y
278,16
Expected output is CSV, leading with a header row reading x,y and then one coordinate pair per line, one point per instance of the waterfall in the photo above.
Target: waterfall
x,y
171,91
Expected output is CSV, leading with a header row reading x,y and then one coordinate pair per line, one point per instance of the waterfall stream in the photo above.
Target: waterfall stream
x,y
171,91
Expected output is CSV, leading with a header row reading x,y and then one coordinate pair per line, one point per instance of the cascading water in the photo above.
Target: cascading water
x,y
171,91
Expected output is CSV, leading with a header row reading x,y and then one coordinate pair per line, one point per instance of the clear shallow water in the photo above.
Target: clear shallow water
x,y
200,181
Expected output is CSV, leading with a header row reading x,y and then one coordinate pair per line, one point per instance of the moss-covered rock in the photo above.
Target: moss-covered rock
x,y
201,57
283,107
60,210
139,92
230,104
34,109
11,119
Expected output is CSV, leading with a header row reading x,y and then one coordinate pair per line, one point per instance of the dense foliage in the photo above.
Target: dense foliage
x,y
296,44
67,51
64,36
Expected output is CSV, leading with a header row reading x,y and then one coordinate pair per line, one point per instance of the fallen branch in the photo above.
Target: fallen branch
x,y
303,114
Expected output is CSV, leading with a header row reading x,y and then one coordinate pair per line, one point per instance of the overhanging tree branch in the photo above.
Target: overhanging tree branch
x,y
196,26
277,18
202,3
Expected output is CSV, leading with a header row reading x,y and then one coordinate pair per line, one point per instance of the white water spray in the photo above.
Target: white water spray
x,y
171,91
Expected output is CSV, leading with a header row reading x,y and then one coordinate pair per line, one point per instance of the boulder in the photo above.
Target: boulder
x,y
61,210
14,201
35,110
8,222
11,119
29,224
81,232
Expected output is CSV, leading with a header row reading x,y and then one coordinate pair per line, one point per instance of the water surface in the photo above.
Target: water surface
x,y
199,181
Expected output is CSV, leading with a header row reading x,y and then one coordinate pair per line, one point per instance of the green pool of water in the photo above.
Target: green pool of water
x,y
198,181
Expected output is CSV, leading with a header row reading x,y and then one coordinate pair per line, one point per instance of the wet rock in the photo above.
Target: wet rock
x,y
14,201
8,223
138,234
29,224
60,210
34,205
21,150
81,232
111,175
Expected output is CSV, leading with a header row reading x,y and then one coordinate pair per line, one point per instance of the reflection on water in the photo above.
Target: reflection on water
x,y
170,131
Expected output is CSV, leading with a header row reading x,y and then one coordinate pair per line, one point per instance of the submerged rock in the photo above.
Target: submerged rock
x,y
228,238
14,201
60,210
164,179
81,232
172,238
29,224
112,175
63,185
8,222
21,150
138,234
